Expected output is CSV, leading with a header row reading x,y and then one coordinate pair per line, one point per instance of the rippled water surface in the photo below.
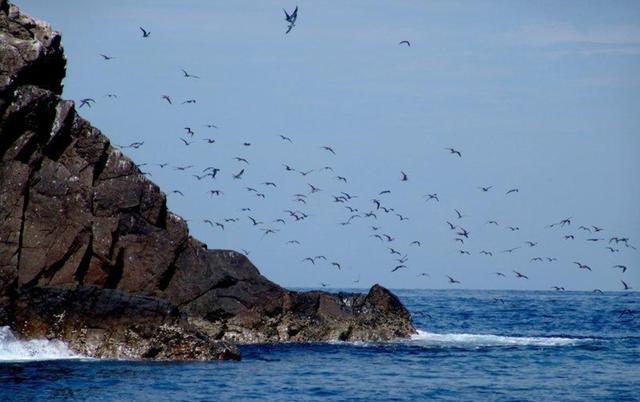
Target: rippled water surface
x,y
472,345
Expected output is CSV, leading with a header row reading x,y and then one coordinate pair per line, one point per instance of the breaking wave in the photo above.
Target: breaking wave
x,y
429,338
16,350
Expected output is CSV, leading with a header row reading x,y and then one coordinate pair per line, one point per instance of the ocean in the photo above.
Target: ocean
x,y
471,346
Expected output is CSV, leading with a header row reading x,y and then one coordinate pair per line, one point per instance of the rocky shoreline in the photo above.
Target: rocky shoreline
x,y
90,254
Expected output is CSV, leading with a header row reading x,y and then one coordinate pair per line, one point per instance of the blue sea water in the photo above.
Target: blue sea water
x,y
472,346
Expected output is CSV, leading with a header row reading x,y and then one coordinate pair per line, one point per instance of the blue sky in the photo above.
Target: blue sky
x,y
540,96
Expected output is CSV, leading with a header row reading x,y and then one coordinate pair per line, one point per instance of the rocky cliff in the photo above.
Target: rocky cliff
x,y
90,254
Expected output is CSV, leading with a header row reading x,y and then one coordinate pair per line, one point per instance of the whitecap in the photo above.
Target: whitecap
x,y
13,349
458,339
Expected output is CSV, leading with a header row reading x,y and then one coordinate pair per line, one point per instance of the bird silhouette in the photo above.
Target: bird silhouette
x,y
452,281
397,267
145,33
291,19
86,102
405,42
239,174
455,152
582,266
187,75
622,267
519,275
433,196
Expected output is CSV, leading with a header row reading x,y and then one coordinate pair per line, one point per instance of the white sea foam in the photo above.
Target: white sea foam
x,y
429,338
13,349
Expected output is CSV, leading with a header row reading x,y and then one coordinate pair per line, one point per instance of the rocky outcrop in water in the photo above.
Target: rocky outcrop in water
x,y
90,254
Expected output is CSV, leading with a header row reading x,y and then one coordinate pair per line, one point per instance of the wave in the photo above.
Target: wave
x,y
429,338
13,349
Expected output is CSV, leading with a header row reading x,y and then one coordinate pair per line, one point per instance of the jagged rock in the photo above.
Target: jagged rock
x,y
90,254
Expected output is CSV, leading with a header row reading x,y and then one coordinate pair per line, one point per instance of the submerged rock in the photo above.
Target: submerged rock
x,y
89,253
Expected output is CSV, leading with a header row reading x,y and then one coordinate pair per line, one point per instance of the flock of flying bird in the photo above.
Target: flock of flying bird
x,y
360,209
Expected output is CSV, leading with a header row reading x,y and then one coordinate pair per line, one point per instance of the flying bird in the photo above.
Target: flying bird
x,y
622,267
510,250
187,75
405,42
398,267
582,266
291,18
86,102
145,33
239,174
104,56
451,280
326,148
167,98
519,275
453,151
433,196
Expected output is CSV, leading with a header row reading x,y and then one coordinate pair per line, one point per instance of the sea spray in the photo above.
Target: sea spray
x,y
455,339
14,349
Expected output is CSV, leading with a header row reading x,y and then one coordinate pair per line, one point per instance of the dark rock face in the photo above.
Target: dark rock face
x,y
90,254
